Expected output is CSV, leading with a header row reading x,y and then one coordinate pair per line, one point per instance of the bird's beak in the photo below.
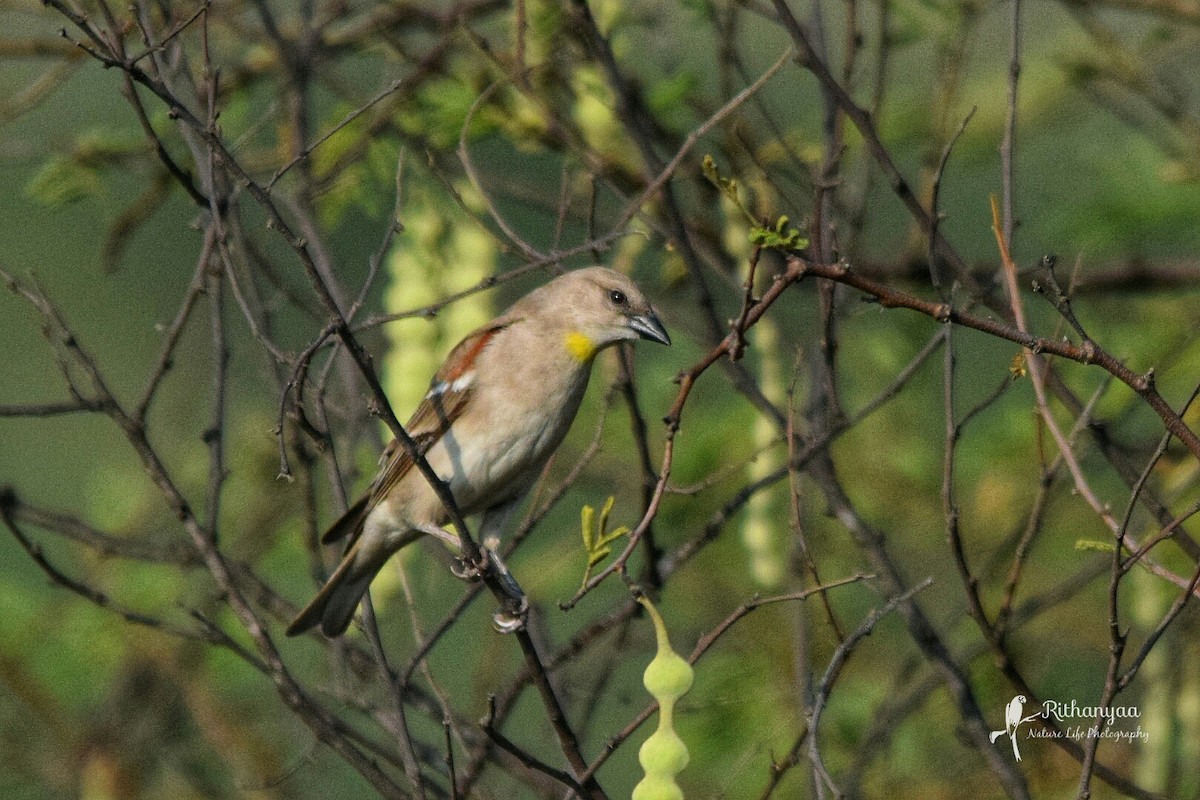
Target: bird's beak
x,y
647,326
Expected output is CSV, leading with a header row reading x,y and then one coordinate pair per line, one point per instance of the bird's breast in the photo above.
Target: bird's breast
x,y
489,458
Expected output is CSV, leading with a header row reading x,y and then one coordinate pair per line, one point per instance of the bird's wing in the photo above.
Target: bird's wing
x,y
448,395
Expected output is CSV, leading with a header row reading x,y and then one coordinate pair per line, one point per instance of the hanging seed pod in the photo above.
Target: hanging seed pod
x,y
663,755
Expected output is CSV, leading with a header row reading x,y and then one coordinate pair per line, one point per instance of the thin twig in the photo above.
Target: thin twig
x,y
840,656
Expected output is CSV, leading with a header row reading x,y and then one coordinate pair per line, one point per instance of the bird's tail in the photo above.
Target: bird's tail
x,y
349,523
334,605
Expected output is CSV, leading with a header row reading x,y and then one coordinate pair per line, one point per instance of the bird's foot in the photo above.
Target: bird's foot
x,y
507,620
471,570
511,618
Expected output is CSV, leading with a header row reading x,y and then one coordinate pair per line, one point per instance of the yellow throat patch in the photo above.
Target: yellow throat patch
x,y
580,346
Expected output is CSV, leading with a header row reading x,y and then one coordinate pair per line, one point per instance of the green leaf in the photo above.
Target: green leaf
x,y
587,515
727,186
597,539
63,180
782,235
598,555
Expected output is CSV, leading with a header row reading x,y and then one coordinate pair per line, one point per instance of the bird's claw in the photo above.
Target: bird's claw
x,y
507,620
471,570
510,618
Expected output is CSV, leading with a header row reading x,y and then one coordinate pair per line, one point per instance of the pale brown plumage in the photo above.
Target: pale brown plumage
x,y
496,410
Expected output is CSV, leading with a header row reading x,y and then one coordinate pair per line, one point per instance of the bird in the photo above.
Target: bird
x,y
495,412
1012,718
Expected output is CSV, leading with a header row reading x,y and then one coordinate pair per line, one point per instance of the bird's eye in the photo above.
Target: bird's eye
x,y
618,297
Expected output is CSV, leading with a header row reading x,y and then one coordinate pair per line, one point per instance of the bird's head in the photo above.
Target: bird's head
x,y
597,307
